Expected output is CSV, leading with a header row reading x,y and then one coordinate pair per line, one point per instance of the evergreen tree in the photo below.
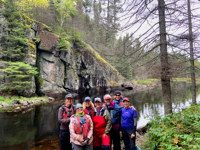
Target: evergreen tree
x,y
15,42
18,73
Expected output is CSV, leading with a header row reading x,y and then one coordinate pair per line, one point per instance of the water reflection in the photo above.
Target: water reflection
x,y
38,128
150,102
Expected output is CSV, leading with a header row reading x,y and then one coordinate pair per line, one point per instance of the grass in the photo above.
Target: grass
x,y
145,82
8,99
150,81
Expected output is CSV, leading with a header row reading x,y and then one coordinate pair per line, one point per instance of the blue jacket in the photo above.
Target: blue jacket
x,y
115,113
118,102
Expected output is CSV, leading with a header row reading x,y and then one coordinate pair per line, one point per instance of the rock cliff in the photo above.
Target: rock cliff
x,y
60,70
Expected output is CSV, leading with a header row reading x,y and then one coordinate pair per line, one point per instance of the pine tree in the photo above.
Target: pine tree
x,y
15,42
18,73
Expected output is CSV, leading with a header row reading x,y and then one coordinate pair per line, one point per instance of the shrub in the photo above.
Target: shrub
x,y
176,131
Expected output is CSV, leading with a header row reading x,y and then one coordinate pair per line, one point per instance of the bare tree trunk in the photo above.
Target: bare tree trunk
x,y
192,71
108,21
165,74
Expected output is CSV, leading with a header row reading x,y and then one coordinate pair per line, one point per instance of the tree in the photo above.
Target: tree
x,y
165,74
192,70
14,49
18,73
65,8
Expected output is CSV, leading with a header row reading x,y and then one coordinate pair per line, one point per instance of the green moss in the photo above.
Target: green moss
x,y
64,45
41,80
9,99
101,61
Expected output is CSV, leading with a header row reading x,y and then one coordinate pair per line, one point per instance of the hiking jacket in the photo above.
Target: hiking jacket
x,y
115,113
106,116
62,121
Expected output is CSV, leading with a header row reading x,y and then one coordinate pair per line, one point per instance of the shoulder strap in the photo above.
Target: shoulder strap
x,y
102,112
121,103
64,109
95,113
76,120
72,109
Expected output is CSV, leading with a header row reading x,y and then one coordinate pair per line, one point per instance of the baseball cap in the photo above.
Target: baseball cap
x,y
87,98
68,96
107,96
78,106
126,99
97,99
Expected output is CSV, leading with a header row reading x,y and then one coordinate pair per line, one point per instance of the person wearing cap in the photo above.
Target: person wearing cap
x,y
81,130
115,113
64,114
118,98
88,107
102,126
129,123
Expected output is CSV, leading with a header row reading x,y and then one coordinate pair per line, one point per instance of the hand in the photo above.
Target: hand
x,y
120,132
132,135
133,107
81,141
104,135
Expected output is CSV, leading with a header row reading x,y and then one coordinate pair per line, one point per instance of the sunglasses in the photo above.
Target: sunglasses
x,y
117,95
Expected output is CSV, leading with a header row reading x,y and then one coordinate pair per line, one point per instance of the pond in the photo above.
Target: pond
x,y
38,128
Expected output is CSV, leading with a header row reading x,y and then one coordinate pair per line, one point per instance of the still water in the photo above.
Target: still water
x,y
38,127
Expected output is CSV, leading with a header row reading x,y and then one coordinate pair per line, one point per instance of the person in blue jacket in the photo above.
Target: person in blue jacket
x,y
129,123
118,98
115,113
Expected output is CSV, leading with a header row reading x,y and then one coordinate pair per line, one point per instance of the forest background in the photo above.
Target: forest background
x,y
101,24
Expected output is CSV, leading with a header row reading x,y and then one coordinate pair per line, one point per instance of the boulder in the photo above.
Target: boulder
x,y
141,130
17,108
42,101
51,98
4,104
24,103
48,40
24,107
16,101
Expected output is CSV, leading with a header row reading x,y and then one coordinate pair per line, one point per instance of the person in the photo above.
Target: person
x,y
102,126
118,98
129,123
64,114
88,107
115,113
81,130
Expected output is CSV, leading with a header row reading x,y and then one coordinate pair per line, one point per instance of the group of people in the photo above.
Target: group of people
x,y
97,126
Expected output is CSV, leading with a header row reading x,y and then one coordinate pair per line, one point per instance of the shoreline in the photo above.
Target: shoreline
x,y
17,103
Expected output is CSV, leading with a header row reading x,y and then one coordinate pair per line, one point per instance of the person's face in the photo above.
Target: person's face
x,y
117,97
68,101
107,101
98,104
79,110
126,104
87,103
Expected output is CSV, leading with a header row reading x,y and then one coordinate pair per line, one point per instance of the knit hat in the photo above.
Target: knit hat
x,y
68,96
87,98
107,96
78,106
126,99
97,99
117,92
